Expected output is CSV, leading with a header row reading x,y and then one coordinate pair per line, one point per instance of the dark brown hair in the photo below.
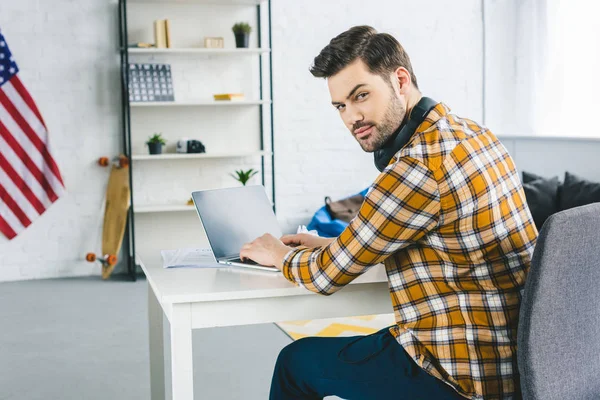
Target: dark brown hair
x,y
381,52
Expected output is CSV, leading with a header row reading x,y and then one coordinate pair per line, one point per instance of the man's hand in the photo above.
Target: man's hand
x,y
265,250
306,239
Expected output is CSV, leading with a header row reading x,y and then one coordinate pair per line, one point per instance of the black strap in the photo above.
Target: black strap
x,y
400,139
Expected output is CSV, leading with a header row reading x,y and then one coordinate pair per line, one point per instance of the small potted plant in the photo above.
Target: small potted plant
x,y
242,30
155,143
244,176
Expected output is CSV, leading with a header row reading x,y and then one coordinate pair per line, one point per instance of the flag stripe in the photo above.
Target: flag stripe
x,y
22,137
9,217
33,136
14,207
22,171
8,175
21,193
24,140
6,229
33,129
20,88
33,120
27,162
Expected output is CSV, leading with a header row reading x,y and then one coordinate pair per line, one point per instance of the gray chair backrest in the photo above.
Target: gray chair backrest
x,y
559,325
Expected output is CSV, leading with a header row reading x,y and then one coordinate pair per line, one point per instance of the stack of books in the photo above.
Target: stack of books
x,y
162,34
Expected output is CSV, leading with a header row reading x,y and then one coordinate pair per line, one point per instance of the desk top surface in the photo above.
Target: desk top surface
x,y
185,285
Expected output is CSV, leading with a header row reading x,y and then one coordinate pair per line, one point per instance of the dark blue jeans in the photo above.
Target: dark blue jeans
x,y
355,368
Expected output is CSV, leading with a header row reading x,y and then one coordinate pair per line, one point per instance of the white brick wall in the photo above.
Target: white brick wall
x,y
316,155
67,52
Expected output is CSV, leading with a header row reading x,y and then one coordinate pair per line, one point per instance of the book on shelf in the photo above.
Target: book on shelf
x,y
168,32
162,33
228,96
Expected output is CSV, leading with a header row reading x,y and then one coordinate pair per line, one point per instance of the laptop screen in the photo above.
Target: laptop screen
x,y
235,216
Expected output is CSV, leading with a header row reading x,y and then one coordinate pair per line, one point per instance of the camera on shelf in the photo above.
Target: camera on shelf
x,y
185,145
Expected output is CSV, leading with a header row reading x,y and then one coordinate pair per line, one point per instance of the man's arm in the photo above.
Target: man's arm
x,y
401,207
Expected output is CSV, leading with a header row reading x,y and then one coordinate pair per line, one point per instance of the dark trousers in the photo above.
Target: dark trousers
x,y
354,368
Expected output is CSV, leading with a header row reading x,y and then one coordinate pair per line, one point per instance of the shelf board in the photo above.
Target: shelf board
x,y
208,103
183,156
196,50
214,2
163,208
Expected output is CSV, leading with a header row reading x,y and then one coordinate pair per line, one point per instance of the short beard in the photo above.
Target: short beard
x,y
393,117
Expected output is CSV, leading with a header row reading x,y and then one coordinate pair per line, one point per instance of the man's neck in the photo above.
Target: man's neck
x,y
411,102
398,139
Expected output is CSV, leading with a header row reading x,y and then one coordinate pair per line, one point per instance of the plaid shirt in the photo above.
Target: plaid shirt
x,y
449,220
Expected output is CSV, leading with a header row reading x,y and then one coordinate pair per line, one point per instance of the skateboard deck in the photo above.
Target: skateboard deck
x,y
115,214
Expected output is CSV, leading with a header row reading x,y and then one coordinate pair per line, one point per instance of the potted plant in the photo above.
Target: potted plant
x,y
241,30
155,143
244,176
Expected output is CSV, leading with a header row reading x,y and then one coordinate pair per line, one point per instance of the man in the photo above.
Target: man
x,y
448,218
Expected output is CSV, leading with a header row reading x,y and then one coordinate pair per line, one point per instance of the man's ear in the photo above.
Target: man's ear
x,y
402,76
395,82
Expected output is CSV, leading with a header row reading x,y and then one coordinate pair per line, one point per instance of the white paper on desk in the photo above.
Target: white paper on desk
x,y
188,257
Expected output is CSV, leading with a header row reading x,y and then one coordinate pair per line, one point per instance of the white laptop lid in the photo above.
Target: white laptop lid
x,y
235,216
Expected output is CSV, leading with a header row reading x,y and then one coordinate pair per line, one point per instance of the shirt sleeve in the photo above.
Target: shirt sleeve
x,y
400,208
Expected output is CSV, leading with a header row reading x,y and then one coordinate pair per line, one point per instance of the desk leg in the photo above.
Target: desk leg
x,y
182,368
157,350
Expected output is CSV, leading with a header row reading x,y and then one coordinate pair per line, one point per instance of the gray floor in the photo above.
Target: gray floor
x,y
83,338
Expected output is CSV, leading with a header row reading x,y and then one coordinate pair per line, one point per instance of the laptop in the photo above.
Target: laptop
x,y
233,217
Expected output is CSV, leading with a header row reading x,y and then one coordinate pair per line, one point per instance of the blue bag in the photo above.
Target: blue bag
x,y
325,225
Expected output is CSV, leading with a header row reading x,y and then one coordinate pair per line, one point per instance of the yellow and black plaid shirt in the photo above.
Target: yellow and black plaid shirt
x,y
449,220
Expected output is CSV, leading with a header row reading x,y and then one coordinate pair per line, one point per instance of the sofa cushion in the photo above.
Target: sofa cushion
x,y
577,191
530,176
542,196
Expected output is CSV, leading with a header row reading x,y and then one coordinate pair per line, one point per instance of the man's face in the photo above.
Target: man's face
x,y
371,108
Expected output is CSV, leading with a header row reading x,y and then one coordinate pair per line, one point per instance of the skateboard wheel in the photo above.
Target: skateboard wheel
x,y
111,260
103,161
123,162
90,257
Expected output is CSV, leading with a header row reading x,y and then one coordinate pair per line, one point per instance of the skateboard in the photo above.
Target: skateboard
x,y
115,213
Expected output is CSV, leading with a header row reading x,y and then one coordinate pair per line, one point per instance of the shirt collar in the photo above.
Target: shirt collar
x,y
438,112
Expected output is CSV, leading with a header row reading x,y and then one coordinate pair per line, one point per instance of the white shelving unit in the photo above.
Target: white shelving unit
x,y
237,134
207,103
209,2
184,156
196,50
163,208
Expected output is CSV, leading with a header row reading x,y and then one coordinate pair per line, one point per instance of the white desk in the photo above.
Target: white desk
x,y
193,298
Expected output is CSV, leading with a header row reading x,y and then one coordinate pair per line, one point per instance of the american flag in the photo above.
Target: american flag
x,y
29,177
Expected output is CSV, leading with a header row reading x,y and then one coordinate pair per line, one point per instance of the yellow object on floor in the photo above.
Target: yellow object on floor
x,y
337,327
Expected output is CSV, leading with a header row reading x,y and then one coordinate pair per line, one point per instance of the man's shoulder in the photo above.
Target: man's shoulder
x,y
433,142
